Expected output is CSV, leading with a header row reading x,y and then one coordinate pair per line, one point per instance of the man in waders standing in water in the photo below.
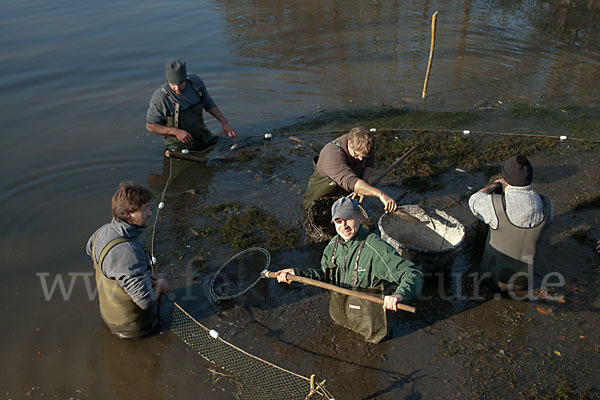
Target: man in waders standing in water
x,y
517,216
356,258
127,288
343,166
176,110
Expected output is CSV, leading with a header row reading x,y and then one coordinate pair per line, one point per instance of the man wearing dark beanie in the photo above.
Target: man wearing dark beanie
x,y
176,110
517,217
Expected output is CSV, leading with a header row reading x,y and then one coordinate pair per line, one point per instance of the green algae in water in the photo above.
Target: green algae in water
x,y
586,200
249,227
581,236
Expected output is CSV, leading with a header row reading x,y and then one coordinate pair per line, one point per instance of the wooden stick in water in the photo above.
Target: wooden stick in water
x,y
433,24
333,288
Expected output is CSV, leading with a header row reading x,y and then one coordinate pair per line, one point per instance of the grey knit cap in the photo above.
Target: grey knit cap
x,y
175,70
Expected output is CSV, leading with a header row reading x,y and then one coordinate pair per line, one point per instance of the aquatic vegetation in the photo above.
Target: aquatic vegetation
x,y
586,200
523,110
438,152
227,207
248,227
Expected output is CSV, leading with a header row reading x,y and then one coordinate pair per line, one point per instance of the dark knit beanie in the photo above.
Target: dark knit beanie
x,y
175,71
517,171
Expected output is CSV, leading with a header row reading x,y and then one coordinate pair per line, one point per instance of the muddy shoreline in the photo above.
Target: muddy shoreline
x,y
455,346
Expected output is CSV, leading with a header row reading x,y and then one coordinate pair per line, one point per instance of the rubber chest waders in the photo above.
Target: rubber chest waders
x,y
323,186
123,317
191,120
362,316
510,250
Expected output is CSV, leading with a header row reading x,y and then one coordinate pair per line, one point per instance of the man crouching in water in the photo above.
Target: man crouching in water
x,y
127,288
356,258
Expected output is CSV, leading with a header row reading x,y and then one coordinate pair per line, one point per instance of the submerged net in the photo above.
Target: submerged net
x,y
256,378
318,220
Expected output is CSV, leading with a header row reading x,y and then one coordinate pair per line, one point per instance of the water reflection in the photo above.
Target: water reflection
x,y
525,51
126,362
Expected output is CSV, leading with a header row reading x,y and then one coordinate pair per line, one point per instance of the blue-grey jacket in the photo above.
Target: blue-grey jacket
x,y
127,262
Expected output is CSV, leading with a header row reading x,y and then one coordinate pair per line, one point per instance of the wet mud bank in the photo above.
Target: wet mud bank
x,y
462,342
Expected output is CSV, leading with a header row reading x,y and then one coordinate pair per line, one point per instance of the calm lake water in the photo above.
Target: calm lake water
x,y
76,77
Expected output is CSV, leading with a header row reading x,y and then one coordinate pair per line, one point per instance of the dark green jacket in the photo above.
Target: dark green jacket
x,y
378,264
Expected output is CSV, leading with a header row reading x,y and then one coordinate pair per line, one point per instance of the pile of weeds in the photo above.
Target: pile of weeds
x,y
245,227
586,200
437,152
581,236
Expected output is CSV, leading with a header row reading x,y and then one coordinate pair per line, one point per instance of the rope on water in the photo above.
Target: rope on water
x,y
444,131
162,199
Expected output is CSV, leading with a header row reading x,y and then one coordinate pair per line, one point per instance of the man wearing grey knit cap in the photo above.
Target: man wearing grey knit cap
x,y
176,110
517,216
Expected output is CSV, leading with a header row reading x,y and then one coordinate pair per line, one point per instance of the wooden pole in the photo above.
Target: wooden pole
x,y
333,288
431,48
388,169
391,167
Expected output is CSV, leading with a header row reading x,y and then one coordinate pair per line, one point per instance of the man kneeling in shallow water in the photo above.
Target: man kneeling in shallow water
x,y
356,258
127,288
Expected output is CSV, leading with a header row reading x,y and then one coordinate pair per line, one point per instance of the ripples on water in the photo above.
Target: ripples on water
x,y
76,77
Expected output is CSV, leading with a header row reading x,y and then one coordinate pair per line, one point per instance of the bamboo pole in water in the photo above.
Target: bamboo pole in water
x,y
433,24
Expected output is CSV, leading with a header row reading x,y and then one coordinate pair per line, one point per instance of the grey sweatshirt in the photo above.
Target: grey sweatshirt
x,y
127,262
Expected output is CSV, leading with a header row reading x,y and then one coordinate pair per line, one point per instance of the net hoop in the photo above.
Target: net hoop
x,y
241,253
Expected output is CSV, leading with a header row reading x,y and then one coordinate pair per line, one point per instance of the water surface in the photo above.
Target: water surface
x,y
76,77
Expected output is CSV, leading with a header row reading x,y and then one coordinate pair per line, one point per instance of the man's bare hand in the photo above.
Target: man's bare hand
x,y
228,131
391,302
360,197
182,136
388,203
283,273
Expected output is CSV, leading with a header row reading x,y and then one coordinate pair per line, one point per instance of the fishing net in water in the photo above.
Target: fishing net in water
x,y
256,378
317,223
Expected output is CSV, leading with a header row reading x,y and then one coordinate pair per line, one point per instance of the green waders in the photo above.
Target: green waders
x,y
192,121
362,316
321,186
122,316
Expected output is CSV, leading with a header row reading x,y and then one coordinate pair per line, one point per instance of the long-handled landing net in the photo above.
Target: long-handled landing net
x,y
244,270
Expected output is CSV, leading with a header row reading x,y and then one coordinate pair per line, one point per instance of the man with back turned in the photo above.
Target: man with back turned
x,y
517,217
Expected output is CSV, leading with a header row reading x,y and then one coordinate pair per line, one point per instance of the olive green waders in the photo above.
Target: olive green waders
x,y
362,316
192,121
122,316
320,186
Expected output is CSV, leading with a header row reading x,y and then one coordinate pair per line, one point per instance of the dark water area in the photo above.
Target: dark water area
x,y
76,78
